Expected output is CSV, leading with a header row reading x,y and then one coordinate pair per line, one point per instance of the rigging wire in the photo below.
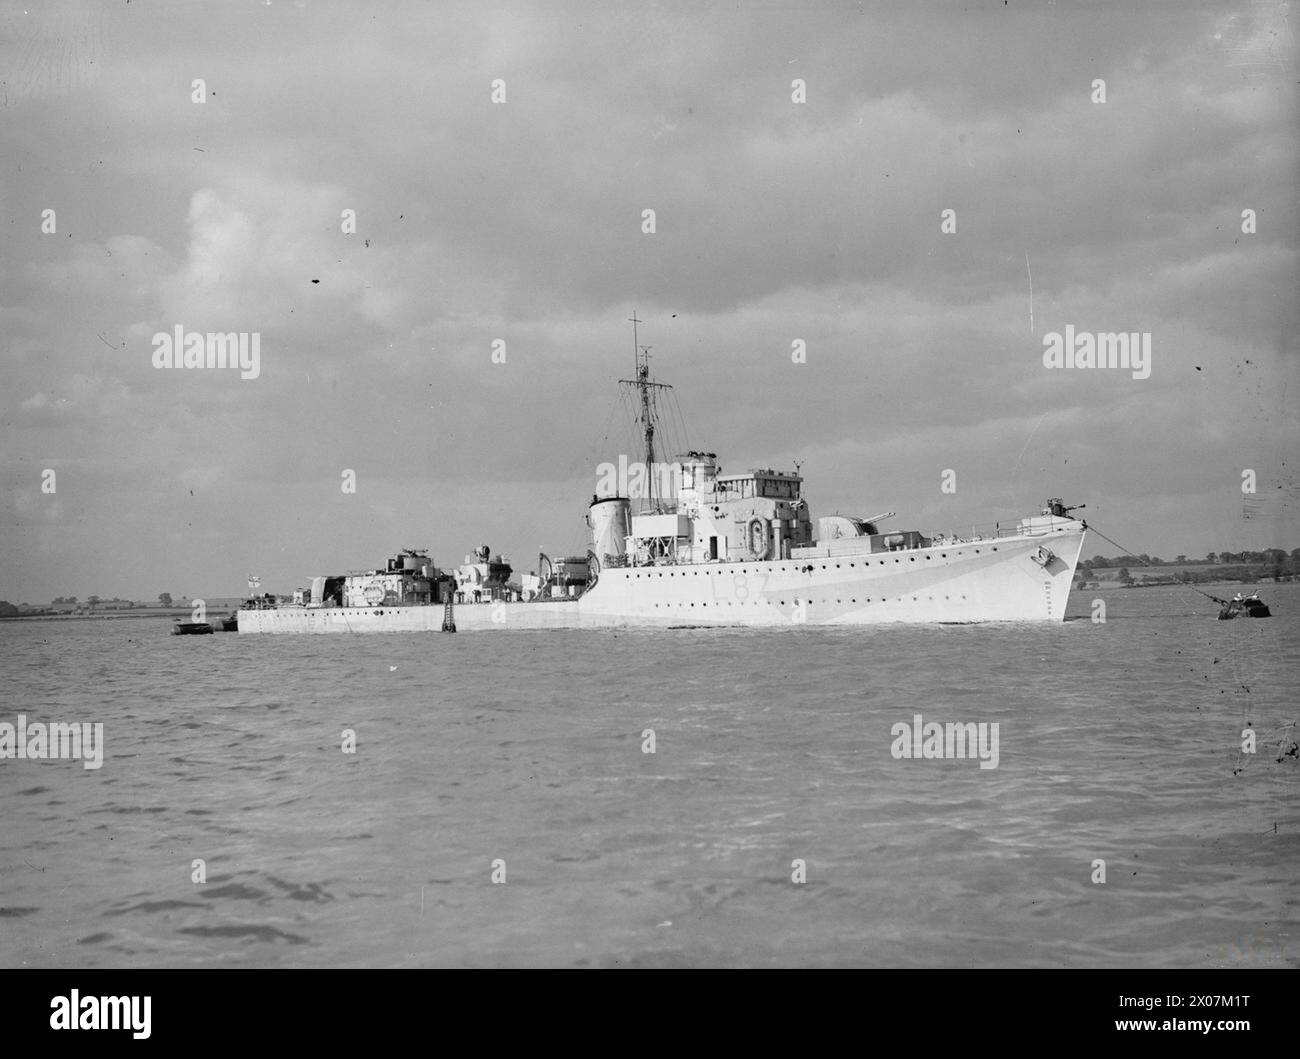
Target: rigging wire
x,y
681,420
1144,562
674,447
602,445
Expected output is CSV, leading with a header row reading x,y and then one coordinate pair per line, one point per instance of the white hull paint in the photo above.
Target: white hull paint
x,y
973,581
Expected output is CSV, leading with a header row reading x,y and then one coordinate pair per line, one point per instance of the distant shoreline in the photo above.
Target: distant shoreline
x,y
179,613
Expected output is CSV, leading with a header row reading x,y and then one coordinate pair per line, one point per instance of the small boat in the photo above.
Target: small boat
x,y
1251,606
191,628
230,623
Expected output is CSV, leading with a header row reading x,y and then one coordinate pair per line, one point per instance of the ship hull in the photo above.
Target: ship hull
x,y
468,617
1019,578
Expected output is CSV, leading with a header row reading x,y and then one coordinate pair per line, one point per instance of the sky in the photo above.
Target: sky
x,y
799,159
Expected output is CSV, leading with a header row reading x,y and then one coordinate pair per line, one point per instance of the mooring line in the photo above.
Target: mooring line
x,y
1133,555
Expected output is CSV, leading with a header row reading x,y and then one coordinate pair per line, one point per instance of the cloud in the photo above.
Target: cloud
x,y
522,222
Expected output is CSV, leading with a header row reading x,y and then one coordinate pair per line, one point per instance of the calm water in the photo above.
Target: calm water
x,y
1117,742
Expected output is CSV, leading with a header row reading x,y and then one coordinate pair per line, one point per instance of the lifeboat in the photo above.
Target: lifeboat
x,y
757,545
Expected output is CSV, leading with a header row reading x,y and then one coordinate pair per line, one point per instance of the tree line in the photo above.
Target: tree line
x,y
8,610
1216,566
1269,556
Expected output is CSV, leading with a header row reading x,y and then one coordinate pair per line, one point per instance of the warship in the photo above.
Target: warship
x,y
706,548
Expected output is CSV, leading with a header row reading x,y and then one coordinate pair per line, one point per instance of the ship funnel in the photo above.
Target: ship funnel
x,y
611,521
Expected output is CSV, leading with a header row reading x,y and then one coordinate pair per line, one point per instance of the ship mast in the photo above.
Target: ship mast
x,y
646,391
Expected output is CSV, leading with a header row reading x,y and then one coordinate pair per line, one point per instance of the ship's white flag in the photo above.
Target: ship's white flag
x,y
254,583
